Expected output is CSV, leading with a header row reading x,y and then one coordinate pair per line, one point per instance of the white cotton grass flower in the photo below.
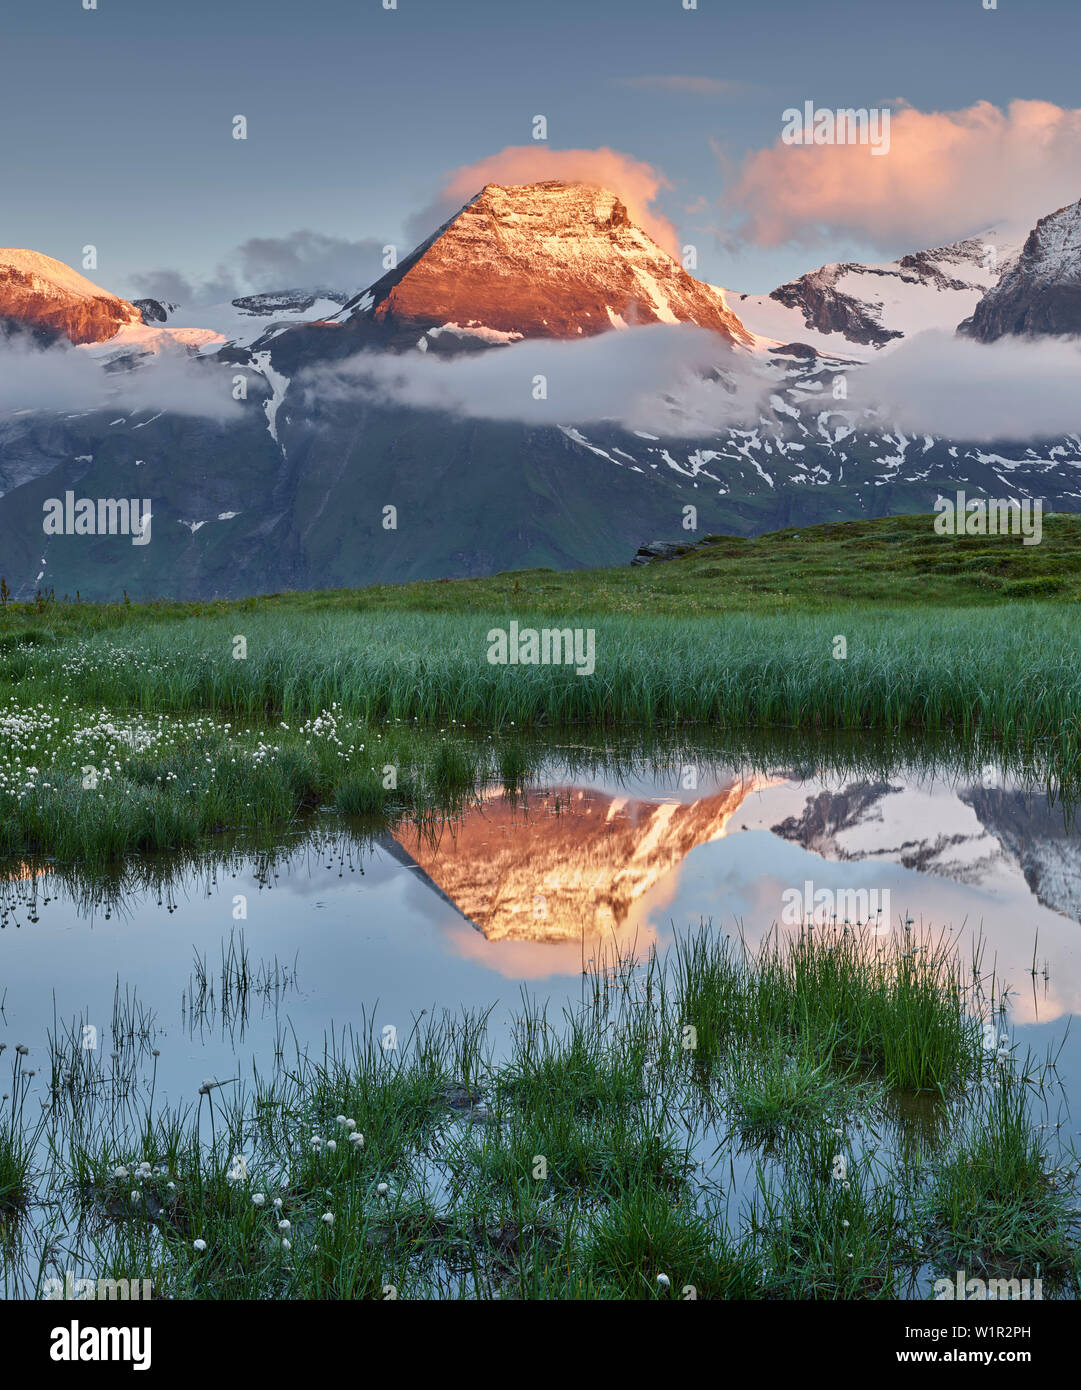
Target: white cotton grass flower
x,y
199,1244
120,1173
664,1281
135,1197
350,1124
332,1146
382,1189
357,1138
328,1218
340,1120
285,1225
258,1198
171,1186
287,1244
277,1204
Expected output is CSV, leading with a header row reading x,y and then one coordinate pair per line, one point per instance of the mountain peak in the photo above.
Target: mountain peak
x,y
51,300
538,260
1041,293
875,305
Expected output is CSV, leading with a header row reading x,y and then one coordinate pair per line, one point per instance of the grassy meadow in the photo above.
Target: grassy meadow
x,y
198,717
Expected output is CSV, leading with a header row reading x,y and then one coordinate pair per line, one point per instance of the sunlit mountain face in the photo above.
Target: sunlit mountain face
x,y
540,260
568,863
568,873
49,300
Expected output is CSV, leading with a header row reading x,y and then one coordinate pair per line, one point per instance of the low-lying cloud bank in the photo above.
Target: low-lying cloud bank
x,y
684,382
1012,389
674,381
677,382
66,379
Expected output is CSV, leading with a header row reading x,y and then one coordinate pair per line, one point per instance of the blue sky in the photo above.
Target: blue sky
x,y
117,122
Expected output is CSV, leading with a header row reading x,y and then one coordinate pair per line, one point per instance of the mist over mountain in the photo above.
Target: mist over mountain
x,y
538,383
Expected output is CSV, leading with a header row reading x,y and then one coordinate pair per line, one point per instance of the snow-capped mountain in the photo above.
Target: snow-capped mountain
x,y
49,300
241,321
1041,292
542,260
970,834
283,483
583,869
809,457
847,306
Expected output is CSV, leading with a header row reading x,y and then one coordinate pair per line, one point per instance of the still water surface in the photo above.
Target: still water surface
x,y
343,926
523,891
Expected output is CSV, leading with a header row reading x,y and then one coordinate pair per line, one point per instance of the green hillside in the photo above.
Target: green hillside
x,y
890,560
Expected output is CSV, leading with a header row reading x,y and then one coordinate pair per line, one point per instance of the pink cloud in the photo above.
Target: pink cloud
x,y
633,181
948,174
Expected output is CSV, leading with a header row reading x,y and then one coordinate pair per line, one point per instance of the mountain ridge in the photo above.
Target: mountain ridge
x,y
290,492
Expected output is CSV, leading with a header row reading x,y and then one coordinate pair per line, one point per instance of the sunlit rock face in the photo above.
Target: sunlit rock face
x,y
540,260
50,300
566,864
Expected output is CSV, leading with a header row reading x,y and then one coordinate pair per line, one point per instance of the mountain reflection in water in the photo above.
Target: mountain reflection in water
x,y
565,863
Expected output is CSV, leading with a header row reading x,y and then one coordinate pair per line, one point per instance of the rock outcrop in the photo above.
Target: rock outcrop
x,y
1042,292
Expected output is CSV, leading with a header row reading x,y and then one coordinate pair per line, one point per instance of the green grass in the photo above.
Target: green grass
x,y
566,1169
886,561
777,1091
826,1237
998,1207
1009,671
385,716
893,1005
17,1137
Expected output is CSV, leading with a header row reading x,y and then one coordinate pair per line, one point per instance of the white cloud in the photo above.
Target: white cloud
x,y
1012,389
66,379
668,380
